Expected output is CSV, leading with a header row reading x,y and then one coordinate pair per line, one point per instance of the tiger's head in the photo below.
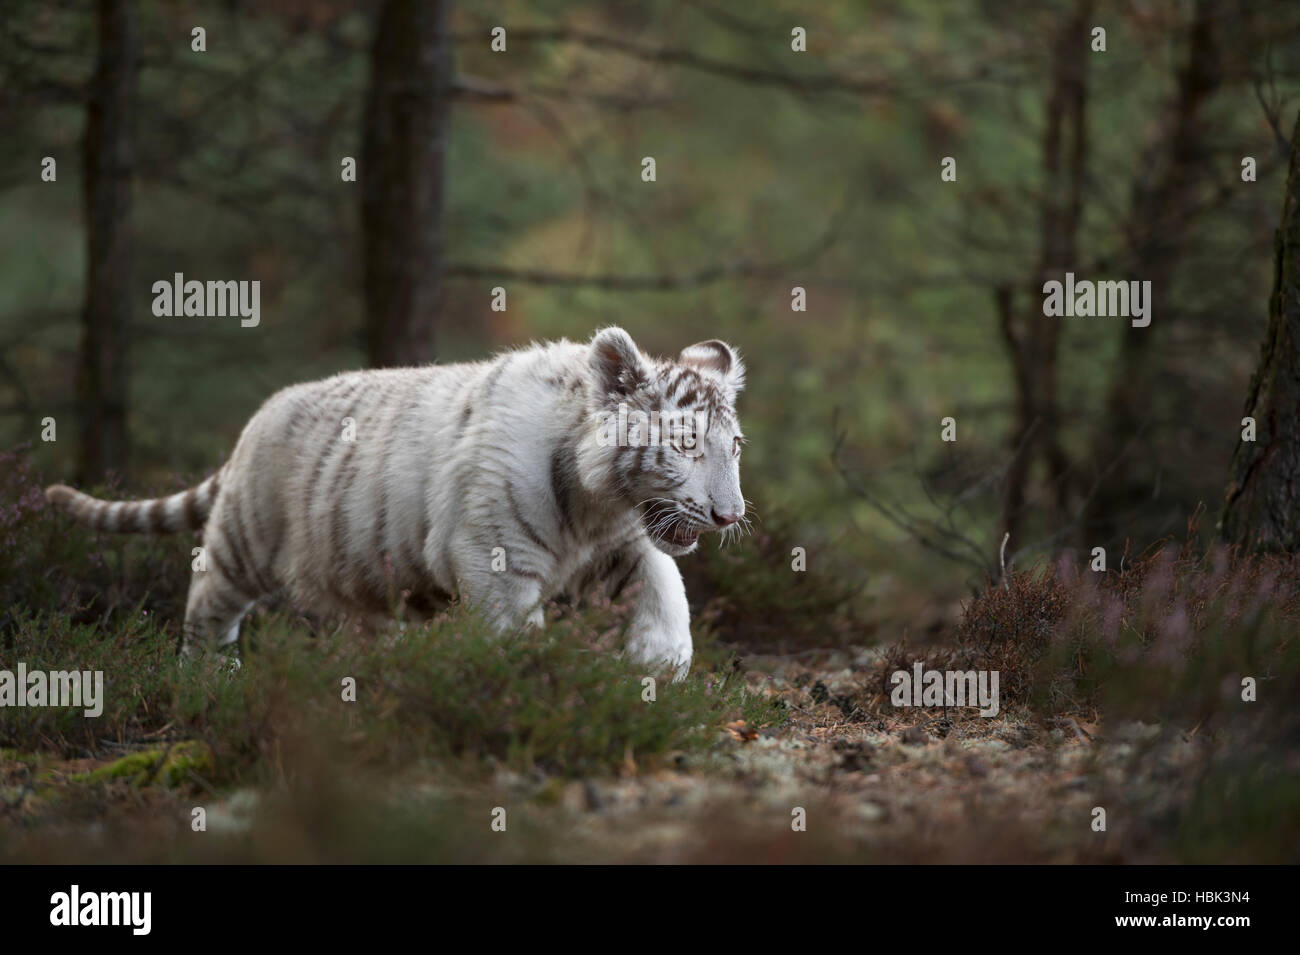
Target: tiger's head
x,y
666,436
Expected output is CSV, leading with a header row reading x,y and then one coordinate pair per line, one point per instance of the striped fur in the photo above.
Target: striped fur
x,y
496,480
186,511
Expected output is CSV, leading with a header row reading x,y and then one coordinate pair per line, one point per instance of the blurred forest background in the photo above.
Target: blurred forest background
x,y
521,169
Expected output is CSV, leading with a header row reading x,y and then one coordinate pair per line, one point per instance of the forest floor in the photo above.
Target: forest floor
x,y
845,777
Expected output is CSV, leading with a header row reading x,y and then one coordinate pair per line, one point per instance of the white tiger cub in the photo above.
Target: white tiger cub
x,y
508,481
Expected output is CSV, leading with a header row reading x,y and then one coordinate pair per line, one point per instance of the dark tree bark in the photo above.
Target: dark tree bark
x,y
1262,510
1033,342
1160,212
402,172
105,328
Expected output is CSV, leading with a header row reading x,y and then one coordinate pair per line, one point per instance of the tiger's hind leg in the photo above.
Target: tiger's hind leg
x,y
228,579
213,611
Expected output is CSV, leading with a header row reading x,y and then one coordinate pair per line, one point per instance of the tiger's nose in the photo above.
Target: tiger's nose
x,y
722,520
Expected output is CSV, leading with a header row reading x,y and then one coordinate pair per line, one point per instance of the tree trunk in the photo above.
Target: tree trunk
x,y
402,172
1033,341
105,328
1263,500
1159,215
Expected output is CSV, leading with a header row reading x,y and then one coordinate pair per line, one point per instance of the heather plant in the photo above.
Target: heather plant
x,y
1173,634
48,562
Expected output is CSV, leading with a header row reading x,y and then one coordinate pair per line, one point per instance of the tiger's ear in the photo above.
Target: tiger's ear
x,y
618,368
719,360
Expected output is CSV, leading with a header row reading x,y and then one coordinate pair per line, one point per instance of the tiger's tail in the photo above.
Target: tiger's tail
x,y
187,510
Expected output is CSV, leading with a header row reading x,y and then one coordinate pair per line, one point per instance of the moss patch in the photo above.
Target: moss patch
x,y
169,766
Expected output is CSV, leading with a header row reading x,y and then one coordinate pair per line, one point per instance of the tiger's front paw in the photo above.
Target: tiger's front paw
x,y
662,651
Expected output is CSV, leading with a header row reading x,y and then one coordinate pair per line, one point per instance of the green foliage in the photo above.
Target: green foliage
x,y
452,689
137,658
